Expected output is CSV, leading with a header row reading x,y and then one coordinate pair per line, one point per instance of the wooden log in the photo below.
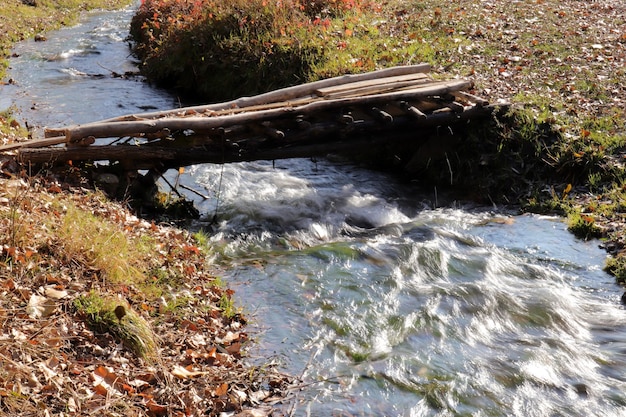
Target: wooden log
x,y
142,157
471,98
283,94
412,110
33,143
381,115
455,107
116,129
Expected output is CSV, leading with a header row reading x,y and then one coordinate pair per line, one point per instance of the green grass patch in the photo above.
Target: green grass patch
x,y
106,314
219,50
99,244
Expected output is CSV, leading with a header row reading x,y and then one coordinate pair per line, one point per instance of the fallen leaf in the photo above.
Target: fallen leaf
x,y
39,307
184,373
54,293
156,409
221,390
234,348
188,325
100,390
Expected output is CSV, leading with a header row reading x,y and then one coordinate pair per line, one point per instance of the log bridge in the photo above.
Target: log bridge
x,y
335,115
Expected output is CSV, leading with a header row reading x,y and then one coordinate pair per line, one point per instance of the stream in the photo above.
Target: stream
x,y
383,302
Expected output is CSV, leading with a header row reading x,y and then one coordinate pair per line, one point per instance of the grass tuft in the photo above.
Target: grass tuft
x,y
99,244
105,314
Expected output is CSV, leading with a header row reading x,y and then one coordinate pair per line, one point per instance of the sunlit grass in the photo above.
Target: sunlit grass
x,y
100,245
105,313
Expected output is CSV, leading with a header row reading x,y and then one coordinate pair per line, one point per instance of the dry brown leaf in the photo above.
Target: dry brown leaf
x,y
39,306
184,373
52,292
221,390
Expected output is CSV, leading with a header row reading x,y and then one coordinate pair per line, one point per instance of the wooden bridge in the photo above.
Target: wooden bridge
x,y
328,116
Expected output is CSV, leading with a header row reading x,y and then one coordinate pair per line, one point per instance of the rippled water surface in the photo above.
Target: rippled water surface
x,y
388,307
72,77
381,303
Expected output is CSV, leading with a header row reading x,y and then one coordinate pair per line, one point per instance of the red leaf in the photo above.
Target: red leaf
x,y
156,409
188,325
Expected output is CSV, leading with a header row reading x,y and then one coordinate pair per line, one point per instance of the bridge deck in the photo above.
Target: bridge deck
x,y
332,115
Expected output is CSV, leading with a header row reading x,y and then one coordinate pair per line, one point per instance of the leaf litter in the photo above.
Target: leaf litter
x,y
54,361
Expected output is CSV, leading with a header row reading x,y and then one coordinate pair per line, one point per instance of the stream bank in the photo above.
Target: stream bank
x,y
560,150
384,302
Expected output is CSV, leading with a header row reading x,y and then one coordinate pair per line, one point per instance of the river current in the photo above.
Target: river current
x,y
380,300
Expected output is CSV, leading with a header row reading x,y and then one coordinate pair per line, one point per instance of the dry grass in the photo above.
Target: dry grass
x,y
85,287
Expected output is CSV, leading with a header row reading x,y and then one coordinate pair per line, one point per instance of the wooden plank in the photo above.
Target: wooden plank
x,y
375,89
387,82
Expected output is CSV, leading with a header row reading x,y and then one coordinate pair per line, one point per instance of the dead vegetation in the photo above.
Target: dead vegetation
x,y
102,312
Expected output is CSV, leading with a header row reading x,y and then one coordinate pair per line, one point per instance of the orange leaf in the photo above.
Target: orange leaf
x,y
127,388
568,188
213,352
100,390
156,409
221,390
585,133
101,371
348,32
192,249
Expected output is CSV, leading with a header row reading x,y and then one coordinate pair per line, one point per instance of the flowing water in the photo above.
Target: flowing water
x,y
395,308
74,76
381,303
